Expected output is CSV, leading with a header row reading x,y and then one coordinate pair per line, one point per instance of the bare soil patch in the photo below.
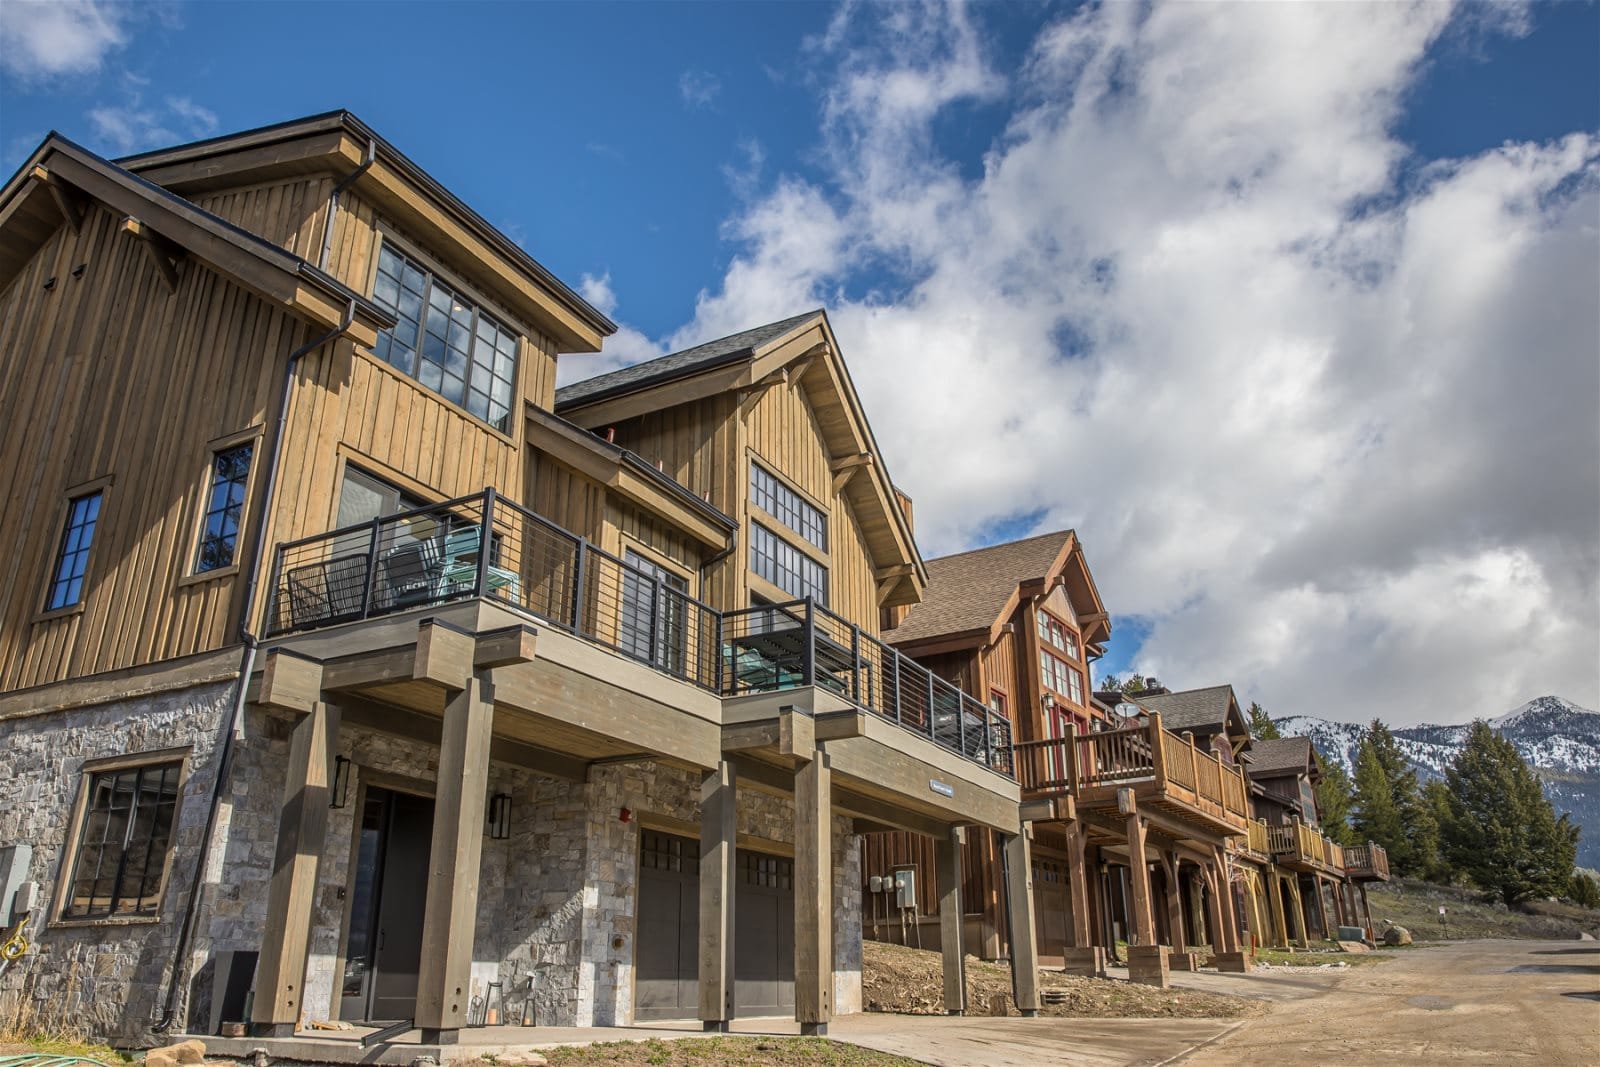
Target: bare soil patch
x,y
725,1052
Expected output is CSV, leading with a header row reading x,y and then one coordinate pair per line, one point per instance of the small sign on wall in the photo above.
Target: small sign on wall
x,y
944,789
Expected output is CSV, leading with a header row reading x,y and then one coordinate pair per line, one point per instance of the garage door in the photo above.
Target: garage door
x,y
1052,908
666,966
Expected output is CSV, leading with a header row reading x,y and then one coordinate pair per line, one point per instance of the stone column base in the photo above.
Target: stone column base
x,y
1147,965
1232,962
1183,961
1085,962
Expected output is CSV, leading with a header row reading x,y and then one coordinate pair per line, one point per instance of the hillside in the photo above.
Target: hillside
x,y
1560,739
1415,905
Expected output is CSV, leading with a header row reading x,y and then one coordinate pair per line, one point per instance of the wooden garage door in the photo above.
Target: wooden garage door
x,y
666,964
1052,908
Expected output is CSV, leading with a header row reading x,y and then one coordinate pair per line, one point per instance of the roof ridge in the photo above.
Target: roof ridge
x,y
1068,531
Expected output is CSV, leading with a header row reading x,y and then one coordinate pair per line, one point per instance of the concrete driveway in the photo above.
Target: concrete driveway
x,y
994,1042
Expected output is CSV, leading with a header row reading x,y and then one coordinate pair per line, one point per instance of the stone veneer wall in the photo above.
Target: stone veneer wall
x,y
556,899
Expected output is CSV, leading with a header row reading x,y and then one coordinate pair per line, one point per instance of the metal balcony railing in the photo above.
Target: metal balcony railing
x,y
487,546
802,643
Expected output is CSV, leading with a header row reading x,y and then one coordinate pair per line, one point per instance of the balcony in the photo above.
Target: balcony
x,y
1254,844
1306,848
1166,772
487,547
1366,863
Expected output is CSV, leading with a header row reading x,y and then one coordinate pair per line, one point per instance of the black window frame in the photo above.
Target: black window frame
x,y
668,646
231,510
99,822
70,569
787,561
803,518
419,353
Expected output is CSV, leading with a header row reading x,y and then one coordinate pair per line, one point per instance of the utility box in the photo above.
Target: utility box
x,y
905,887
14,863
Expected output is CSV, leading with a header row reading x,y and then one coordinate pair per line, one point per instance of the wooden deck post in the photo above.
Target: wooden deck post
x,y
1230,914
718,870
947,864
1019,901
1082,956
1170,867
450,913
1143,918
1302,926
302,833
813,895
1280,925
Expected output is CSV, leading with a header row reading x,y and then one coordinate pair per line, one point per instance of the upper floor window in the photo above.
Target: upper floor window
x,y
787,506
444,340
120,858
997,703
785,566
1056,635
219,534
72,559
1060,678
651,624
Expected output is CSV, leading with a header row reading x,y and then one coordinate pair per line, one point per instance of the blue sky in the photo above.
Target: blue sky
x,y
697,167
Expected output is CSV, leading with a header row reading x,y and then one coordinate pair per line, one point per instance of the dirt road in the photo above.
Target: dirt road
x,y
1475,1002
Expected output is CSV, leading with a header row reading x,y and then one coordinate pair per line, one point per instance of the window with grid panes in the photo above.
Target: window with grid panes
x,y
219,534
444,340
122,847
787,506
786,567
72,559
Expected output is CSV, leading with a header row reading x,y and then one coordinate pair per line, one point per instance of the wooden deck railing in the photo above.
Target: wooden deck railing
x,y
1256,840
1304,843
1083,763
1366,861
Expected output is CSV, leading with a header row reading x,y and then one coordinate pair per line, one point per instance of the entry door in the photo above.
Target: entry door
x,y
400,899
1051,907
666,965
763,940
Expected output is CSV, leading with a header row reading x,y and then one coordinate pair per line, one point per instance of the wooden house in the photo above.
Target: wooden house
x,y
343,659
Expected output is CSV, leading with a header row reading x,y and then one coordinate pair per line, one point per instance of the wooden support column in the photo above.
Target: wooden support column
x,y
1022,928
1230,914
451,910
947,868
1169,867
1302,928
1280,924
302,833
813,895
1143,918
718,869
1078,885
1214,915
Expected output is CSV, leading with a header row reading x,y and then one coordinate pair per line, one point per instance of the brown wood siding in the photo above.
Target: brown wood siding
x,y
288,213
113,374
1000,672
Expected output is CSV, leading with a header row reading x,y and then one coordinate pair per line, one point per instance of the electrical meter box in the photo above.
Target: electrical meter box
x,y
905,887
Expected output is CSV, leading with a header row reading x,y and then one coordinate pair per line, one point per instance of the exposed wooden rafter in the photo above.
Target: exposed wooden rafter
x,y
72,204
846,467
163,253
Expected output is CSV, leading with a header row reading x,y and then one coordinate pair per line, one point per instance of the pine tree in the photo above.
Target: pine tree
x,y
1262,727
1585,891
1436,798
1333,801
1413,847
1376,819
1501,831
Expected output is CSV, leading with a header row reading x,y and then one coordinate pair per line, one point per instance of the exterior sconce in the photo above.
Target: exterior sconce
x,y
500,816
625,815
340,791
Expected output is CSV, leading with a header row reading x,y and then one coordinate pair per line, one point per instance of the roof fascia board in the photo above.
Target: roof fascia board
x,y
964,641
668,394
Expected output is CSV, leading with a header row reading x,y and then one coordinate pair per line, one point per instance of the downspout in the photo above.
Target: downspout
x,y
333,201
233,727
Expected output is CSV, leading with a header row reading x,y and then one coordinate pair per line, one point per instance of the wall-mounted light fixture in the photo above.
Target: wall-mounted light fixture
x,y
341,783
500,816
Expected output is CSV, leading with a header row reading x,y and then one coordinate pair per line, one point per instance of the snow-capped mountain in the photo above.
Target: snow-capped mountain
x,y
1560,739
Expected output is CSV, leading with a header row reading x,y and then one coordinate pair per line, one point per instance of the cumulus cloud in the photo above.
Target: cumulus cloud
x,y
622,349
1325,418
40,40
133,124
699,88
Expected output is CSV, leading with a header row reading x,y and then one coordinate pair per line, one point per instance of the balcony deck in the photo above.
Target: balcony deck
x,y
1305,848
1167,774
1366,863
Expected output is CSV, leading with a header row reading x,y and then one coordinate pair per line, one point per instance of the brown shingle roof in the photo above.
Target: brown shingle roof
x,y
1192,709
968,590
1271,758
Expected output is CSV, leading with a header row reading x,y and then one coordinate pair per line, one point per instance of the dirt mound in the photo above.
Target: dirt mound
x,y
911,981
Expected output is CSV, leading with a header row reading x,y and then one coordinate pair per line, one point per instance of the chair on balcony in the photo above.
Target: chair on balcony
x,y
327,591
411,576
460,569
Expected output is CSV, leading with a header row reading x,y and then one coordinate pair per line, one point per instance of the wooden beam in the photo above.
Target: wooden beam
x,y
719,846
302,833
1078,886
502,648
886,590
290,681
1169,869
947,873
451,909
899,570
72,204
1020,917
445,655
740,737
813,895
163,253
846,467
1143,917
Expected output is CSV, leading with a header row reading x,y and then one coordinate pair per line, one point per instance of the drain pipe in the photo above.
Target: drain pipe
x,y
234,726
333,200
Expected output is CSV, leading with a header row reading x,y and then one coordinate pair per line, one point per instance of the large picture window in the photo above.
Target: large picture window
x,y
786,567
219,534
444,340
1060,678
121,856
787,506
72,558
1053,633
659,602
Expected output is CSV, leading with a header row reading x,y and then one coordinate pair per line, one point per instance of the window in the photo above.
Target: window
x,y
122,849
645,602
997,703
786,567
787,506
66,587
1060,678
444,340
1056,635
219,534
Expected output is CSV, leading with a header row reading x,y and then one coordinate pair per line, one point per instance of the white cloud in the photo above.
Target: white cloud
x,y
1330,425
622,349
699,88
40,40
133,125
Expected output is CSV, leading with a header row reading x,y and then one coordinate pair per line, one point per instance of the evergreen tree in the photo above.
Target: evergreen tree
x,y
1375,819
1333,801
1261,725
1132,684
1585,891
1436,798
1501,831
1411,834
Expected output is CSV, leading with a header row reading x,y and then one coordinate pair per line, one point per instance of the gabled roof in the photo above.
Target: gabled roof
x,y
971,590
1281,756
1207,711
702,357
61,178
754,359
